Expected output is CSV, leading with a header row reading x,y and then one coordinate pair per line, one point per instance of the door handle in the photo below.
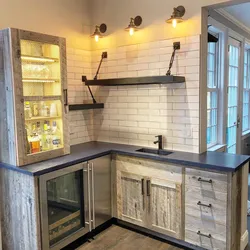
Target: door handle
x,y
65,92
238,122
148,188
143,192
89,200
93,194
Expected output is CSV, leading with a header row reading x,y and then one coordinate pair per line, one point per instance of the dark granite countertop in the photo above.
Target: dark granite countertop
x,y
91,150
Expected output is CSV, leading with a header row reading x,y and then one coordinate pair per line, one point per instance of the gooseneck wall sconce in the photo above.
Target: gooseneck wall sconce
x,y
99,30
134,25
177,15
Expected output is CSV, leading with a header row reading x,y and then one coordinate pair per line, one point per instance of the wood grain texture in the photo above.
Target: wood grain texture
x,y
207,243
130,205
20,211
165,215
146,167
217,200
219,180
117,238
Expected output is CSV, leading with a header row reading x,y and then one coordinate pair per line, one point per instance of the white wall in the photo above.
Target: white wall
x,y
65,18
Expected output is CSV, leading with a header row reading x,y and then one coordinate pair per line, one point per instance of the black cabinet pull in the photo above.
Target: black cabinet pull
x,y
142,186
65,91
205,235
204,205
148,188
202,180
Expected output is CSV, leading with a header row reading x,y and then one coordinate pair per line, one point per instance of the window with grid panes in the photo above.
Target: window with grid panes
x,y
212,95
246,92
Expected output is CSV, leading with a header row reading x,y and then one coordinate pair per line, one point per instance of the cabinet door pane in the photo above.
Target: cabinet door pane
x,y
40,69
165,209
65,205
44,126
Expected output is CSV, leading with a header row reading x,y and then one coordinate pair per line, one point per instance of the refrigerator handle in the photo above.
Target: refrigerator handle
x,y
89,199
93,195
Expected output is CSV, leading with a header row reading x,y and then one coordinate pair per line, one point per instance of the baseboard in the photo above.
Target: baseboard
x,y
244,240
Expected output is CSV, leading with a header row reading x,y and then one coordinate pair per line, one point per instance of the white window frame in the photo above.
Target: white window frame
x,y
247,89
215,90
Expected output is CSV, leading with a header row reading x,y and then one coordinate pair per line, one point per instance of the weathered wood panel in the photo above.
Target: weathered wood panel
x,y
165,216
219,180
130,201
20,211
207,243
146,167
218,202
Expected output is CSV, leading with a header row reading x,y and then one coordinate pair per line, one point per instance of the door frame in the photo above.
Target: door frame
x,y
233,39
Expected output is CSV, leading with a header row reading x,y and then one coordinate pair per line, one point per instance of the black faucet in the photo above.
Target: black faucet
x,y
160,144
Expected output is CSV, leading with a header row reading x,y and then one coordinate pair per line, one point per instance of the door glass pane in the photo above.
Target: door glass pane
x,y
40,69
42,93
232,99
44,126
65,205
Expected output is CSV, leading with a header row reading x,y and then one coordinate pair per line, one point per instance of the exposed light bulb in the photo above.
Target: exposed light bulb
x,y
174,23
131,31
96,38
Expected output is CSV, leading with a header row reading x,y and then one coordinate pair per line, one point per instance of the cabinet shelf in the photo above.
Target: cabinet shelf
x,y
38,118
28,58
37,80
42,98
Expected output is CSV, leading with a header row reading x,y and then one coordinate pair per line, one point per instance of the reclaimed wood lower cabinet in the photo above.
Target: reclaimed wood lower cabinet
x,y
148,195
204,208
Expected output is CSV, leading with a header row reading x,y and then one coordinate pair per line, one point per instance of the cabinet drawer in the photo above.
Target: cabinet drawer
x,y
205,180
206,226
208,243
197,202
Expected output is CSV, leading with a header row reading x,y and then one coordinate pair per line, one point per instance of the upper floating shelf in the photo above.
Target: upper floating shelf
x,y
135,81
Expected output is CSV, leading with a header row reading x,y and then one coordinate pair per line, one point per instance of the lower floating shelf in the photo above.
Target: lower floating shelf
x,y
85,106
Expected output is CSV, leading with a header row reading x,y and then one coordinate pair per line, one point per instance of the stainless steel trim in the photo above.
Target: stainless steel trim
x,y
93,195
44,209
90,225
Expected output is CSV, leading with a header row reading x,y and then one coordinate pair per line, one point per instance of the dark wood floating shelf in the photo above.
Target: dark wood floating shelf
x,y
85,106
136,81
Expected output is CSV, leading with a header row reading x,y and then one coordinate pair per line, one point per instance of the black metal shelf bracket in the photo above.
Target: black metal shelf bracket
x,y
84,79
176,46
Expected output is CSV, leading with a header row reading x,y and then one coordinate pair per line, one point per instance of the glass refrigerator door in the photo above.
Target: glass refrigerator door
x,y
65,206
42,92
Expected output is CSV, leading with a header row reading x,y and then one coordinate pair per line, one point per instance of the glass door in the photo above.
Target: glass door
x,y
233,119
42,91
62,207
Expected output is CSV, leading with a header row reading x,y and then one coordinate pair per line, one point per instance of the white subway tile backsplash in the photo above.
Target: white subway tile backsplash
x,y
135,114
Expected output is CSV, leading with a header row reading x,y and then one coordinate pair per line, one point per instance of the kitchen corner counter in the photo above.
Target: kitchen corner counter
x,y
91,150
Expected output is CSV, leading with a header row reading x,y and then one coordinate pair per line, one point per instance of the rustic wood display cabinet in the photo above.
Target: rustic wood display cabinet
x,y
33,97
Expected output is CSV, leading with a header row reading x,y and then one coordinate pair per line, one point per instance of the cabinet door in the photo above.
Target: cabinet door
x,y
130,198
39,80
164,207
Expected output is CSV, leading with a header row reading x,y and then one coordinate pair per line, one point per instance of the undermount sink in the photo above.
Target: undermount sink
x,y
154,151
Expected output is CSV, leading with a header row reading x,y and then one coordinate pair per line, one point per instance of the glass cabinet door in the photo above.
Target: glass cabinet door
x,y
64,206
42,91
